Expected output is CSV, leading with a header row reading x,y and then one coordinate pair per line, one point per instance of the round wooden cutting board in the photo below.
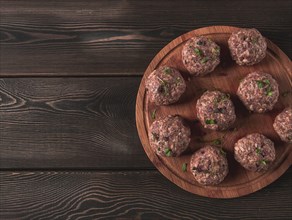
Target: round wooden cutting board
x,y
225,77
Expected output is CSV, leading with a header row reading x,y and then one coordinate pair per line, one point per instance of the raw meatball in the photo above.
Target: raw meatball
x,y
247,46
255,152
215,110
165,85
283,125
169,136
258,91
209,165
200,55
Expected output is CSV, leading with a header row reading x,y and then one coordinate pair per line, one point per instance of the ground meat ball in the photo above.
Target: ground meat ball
x,y
255,152
169,136
258,91
165,85
209,165
200,55
215,110
247,46
283,125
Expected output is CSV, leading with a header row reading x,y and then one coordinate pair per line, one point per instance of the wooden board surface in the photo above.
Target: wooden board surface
x,y
128,195
117,37
226,77
69,123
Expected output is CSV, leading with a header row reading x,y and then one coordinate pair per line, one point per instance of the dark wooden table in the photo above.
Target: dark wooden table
x,y
70,71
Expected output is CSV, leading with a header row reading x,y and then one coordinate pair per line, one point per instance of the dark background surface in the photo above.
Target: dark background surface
x,y
70,72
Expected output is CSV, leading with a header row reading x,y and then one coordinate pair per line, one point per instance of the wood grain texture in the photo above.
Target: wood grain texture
x,y
129,195
69,123
118,37
239,182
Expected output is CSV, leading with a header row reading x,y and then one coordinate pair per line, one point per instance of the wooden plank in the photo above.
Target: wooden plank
x,y
118,37
70,123
129,195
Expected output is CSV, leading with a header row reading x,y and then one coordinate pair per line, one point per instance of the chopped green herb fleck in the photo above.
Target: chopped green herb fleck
x,y
153,114
223,98
216,141
210,121
167,152
184,167
165,90
158,148
165,87
260,84
216,50
222,152
198,52
263,162
167,70
205,60
258,150
178,80
254,40
164,83
270,93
